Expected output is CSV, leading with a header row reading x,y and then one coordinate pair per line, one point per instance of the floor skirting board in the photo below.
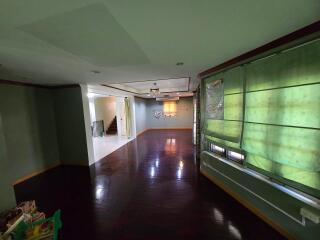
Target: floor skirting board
x,y
26,177
169,129
152,129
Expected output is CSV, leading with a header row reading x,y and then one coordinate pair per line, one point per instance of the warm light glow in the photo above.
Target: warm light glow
x,y
170,108
170,146
181,164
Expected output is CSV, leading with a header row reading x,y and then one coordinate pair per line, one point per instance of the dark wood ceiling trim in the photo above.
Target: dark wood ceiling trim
x,y
303,32
65,86
7,82
17,83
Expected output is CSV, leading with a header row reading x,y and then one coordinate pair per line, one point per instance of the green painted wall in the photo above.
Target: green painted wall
x,y
289,204
70,126
28,141
183,119
39,128
140,105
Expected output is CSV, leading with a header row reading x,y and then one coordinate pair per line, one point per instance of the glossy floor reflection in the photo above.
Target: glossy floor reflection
x,y
148,189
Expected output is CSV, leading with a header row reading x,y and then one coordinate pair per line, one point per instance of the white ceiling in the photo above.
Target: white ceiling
x,y
121,90
60,42
164,85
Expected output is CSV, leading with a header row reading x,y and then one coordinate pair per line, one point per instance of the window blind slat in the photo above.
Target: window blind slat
x,y
294,147
295,67
295,106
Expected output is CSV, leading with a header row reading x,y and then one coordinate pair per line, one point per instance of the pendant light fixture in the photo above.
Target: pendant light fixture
x,y
154,90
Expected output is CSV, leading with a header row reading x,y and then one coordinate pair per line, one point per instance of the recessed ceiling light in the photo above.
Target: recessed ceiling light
x,y
179,63
95,71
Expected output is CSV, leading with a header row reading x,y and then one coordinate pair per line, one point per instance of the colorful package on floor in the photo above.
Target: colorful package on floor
x,y
8,218
30,211
27,206
47,228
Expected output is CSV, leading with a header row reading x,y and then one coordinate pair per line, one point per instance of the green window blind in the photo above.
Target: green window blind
x,y
281,128
294,67
294,106
227,132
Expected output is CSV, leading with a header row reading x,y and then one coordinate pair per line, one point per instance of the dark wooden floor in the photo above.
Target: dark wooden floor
x,y
148,189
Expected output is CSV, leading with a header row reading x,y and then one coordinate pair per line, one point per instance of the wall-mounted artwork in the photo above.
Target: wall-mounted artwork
x,y
163,115
157,114
214,99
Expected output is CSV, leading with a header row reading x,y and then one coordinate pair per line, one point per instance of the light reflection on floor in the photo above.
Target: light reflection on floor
x,y
219,218
170,146
143,191
180,169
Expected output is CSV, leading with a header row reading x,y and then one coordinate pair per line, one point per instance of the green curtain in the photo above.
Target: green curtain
x,y
227,132
277,120
128,117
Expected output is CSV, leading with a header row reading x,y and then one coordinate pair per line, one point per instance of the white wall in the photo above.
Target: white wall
x,y
105,109
92,110
104,91
87,122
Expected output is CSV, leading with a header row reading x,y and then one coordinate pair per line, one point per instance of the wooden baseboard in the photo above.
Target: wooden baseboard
x,y
153,129
143,131
24,178
249,206
169,128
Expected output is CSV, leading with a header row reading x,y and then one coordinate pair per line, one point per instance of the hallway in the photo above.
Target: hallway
x,y
105,145
147,189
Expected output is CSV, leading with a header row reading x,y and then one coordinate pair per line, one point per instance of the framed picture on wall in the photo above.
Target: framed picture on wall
x,y
214,99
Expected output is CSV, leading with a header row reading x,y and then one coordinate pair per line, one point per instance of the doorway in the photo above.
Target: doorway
x,y
108,124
